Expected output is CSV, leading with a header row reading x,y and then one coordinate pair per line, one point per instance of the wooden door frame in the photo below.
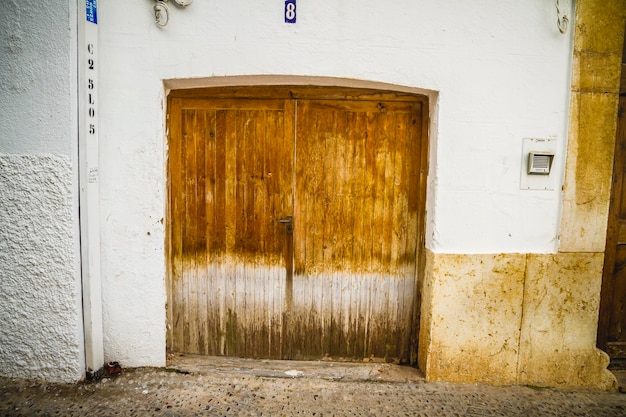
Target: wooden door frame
x,y
317,93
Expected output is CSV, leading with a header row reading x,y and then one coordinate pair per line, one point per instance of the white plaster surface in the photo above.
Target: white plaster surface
x,y
497,72
40,297
36,77
41,330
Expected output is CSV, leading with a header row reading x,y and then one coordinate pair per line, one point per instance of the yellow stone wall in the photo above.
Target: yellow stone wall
x,y
596,66
560,318
473,309
532,318
513,319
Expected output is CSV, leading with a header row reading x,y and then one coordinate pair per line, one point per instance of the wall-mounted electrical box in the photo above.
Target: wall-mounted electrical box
x,y
538,156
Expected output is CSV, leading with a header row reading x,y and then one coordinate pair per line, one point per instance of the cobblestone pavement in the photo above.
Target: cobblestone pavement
x,y
268,388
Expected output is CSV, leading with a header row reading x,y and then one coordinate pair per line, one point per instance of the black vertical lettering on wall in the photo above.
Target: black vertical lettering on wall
x,y
90,87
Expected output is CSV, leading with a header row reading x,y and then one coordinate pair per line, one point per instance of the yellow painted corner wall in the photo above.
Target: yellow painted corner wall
x,y
532,318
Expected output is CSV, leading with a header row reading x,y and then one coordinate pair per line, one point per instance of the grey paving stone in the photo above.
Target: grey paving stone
x,y
262,388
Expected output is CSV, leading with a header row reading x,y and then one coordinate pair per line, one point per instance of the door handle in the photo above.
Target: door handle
x,y
288,221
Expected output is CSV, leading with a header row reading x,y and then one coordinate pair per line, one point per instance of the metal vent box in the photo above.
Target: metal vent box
x,y
539,163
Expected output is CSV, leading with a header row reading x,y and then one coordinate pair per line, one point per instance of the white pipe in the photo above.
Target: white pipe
x,y
89,203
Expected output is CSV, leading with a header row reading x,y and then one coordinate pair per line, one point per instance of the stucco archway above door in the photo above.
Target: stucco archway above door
x,y
296,222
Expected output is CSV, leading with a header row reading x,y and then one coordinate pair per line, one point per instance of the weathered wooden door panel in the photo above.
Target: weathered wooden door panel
x,y
612,322
344,284
231,168
356,228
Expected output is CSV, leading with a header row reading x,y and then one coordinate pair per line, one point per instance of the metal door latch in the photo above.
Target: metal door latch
x,y
288,221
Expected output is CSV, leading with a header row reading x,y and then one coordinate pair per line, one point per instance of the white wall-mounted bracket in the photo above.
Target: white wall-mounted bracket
x,y
162,11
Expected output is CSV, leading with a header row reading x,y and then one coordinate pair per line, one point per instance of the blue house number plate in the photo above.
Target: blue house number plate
x,y
290,11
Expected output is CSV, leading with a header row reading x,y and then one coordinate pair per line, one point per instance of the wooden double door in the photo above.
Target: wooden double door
x,y
295,222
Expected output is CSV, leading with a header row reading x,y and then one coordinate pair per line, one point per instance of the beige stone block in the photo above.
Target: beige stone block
x,y
597,125
596,72
473,316
599,26
560,318
588,172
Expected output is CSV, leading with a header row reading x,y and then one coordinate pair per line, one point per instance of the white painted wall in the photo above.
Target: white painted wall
x,y
40,295
497,72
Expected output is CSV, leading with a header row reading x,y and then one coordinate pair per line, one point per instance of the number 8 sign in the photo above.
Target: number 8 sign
x,y
290,11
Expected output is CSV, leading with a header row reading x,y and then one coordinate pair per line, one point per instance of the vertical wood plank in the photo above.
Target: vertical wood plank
x,y
326,129
286,196
343,231
419,137
259,341
175,224
245,304
200,129
218,234
273,312
213,201
231,219
363,237
404,266
189,230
